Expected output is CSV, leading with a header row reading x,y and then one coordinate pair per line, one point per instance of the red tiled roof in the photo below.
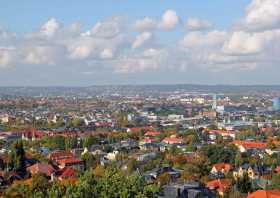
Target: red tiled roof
x,y
31,134
152,133
265,194
66,173
220,184
138,129
250,144
41,168
221,166
69,161
170,140
148,139
58,155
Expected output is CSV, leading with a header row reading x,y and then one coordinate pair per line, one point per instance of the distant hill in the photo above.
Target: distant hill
x,y
133,89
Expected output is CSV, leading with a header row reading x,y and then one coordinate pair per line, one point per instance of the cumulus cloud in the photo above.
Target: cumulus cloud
x,y
198,24
146,23
50,27
142,39
262,14
108,28
169,20
7,56
200,39
109,45
249,43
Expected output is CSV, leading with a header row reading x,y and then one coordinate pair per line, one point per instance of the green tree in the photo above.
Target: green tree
x,y
17,156
244,184
276,181
90,140
70,142
56,191
90,160
77,122
17,191
56,142
39,185
164,178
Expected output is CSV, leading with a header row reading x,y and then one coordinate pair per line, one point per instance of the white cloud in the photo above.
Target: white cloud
x,y
169,20
262,14
198,24
7,55
111,46
108,28
142,39
81,48
250,43
42,55
146,23
200,39
50,27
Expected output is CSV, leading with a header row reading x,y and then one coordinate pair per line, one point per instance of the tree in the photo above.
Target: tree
x,y
39,185
98,171
164,178
70,142
56,190
90,140
56,142
114,184
90,160
276,181
244,184
17,191
220,153
132,165
77,122
86,187
17,157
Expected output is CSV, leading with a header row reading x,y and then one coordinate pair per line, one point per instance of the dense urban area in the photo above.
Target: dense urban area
x,y
173,141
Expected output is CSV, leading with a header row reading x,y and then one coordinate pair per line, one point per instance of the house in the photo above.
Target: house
x,y
244,145
146,140
221,168
187,190
253,171
265,194
149,146
59,155
71,162
66,173
138,129
219,185
112,155
146,156
172,140
32,135
223,133
43,168
152,133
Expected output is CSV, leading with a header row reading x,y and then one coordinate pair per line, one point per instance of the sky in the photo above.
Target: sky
x,y
93,42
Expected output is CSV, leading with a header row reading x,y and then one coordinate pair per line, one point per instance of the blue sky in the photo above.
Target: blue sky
x,y
23,16
139,42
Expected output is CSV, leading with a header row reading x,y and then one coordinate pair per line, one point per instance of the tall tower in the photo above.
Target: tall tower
x,y
276,104
214,105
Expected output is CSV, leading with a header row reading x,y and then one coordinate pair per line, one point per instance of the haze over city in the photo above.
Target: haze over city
x,y
74,43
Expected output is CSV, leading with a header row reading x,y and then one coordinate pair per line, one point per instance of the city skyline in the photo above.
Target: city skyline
x,y
127,42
